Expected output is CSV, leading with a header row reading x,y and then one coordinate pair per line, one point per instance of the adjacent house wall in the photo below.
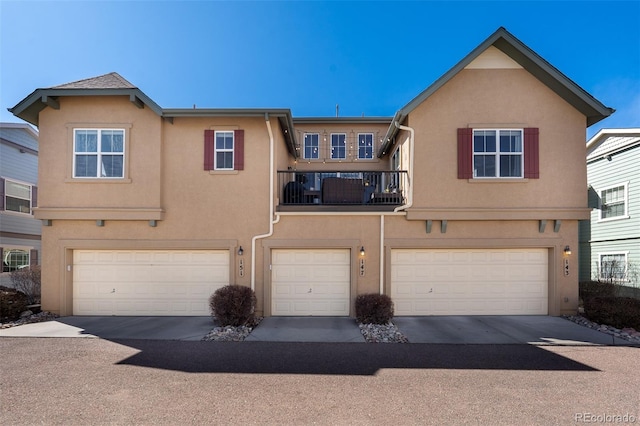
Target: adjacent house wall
x,y
616,235
19,163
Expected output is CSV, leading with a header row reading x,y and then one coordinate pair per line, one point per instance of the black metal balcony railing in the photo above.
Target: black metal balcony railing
x,y
341,188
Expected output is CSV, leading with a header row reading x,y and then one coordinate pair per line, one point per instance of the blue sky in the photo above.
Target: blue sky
x,y
370,57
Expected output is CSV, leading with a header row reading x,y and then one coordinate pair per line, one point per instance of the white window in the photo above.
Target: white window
x,y
311,146
613,202
613,267
14,259
498,153
338,146
365,146
98,153
17,196
224,151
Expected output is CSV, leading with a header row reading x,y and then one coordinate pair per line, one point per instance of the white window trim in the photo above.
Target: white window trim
x,y
373,146
626,202
99,153
497,153
216,150
331,146
614,253
304,146
7,250
6,195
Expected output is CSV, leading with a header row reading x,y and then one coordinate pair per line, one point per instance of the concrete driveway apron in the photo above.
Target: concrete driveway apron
x,y
536,330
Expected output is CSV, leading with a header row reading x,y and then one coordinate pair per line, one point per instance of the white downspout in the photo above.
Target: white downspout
x,y
381,254
272,220
411,151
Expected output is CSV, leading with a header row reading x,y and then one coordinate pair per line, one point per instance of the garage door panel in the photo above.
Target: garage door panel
x,y
469,281
147,282
310,281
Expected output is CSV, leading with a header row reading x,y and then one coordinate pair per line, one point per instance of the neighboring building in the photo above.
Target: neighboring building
x,y
610,241
19,231
462,203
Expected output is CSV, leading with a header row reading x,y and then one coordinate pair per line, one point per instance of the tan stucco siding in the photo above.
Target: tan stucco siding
x,y
355,231
504,98
141,186
220,203
351,163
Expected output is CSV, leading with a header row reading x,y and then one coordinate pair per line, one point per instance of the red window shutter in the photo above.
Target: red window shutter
x,y
33,257
531,153
1,194
465,153
209,148
34,196
238,150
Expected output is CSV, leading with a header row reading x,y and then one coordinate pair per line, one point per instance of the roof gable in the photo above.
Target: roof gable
x,y
609,141
526,58
112,84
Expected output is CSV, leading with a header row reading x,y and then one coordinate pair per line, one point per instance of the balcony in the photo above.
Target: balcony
x,y
340,190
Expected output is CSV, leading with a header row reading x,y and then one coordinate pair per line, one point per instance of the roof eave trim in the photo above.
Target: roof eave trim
x,y
387,141
225,112
39,99
343,120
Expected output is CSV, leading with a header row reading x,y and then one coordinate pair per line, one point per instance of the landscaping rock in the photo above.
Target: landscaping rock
x,y
231,333
382,333
39,317
629,334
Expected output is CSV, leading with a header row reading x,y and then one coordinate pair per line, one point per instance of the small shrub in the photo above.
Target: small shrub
x,y
27,280
374,309
619,312
590,289
233,305
12,304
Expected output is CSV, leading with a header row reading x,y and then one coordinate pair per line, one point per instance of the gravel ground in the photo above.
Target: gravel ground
x,y
629,334
387,333
28,319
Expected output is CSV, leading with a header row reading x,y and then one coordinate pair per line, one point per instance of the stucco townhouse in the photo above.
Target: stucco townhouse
x,y
466,201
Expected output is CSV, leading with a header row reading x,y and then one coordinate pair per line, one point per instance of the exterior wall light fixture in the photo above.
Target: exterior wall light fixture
x,y
567,250
240,251
362,251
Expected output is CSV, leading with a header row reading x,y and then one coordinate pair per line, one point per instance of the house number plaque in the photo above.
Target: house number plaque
x,y
566,267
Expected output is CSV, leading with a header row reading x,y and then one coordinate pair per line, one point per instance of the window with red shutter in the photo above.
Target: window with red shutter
x,y
238,154
498,153
209,148
531,153
224,150
465,153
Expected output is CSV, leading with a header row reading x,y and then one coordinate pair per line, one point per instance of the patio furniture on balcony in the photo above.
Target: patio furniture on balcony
x,y
350,189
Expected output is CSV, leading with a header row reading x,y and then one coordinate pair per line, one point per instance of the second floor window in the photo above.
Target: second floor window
x,y
224,151
497,153
365,146
338,146
17,197
98,153
613,203
311,146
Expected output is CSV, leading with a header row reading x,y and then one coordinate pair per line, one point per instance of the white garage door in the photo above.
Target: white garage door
x,y
310,282
147,282
469,281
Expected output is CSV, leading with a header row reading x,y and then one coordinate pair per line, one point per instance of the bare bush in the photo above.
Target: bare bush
x,y
27,280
